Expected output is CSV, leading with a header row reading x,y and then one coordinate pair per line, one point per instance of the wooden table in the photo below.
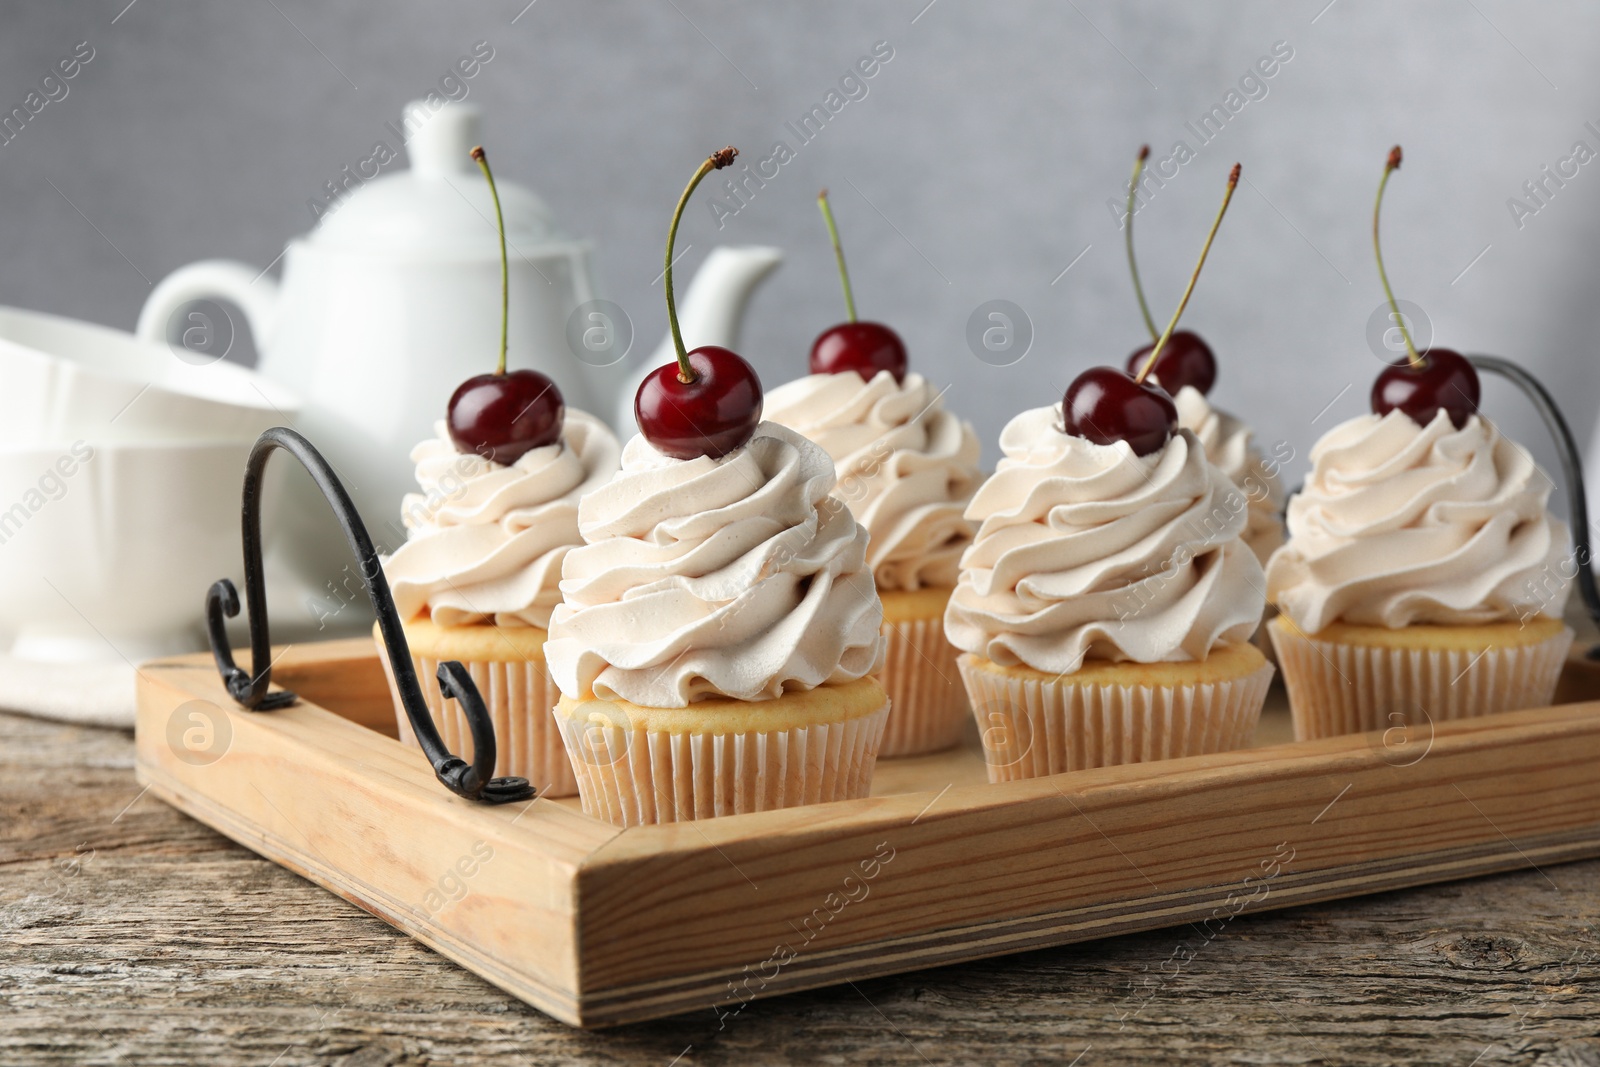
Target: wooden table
x,y
131,934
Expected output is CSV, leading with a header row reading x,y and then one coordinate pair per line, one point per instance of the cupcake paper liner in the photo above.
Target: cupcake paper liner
x,y
631,777
1034,727
1339,688
928,705
519,695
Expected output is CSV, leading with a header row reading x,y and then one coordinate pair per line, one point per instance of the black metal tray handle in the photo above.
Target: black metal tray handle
x,y
473,781
1571,470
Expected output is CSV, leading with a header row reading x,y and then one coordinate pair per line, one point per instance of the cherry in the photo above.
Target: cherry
x,y
1185,360
863,347
708,403
1425,383
1443,380
1105,405
501,416
710,416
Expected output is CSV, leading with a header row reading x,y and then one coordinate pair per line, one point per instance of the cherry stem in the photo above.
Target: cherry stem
x,y
505,270
1149,364
1390,167
716,161
1133,266
838,254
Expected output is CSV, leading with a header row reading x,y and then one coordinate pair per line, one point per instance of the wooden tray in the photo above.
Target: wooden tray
x,y
597,926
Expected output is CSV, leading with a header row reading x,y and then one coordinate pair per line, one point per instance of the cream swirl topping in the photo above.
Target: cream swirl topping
x,y
906,466
1089,551
485,540
1400,524
738,577
1230,446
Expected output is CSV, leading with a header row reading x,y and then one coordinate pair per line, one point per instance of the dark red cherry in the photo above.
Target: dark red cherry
x,y
1444,381
864,347
1105,406
1184,360
710,416
501,416
706,402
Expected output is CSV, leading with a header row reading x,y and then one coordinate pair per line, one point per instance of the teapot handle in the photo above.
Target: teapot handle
x,y
255,293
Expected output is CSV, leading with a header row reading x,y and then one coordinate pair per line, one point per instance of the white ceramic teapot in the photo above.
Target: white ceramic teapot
x,y
394,299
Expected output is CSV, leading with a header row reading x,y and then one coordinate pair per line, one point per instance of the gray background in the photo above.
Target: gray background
x,y
987,147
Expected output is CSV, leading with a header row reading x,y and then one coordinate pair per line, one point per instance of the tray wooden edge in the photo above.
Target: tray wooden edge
x,y
611,854
624,1004
553,1000
1524,771
301,819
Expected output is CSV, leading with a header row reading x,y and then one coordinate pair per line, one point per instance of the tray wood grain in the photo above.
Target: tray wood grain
x,y
598,926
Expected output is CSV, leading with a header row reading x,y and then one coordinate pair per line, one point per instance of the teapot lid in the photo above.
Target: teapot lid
x,y
441,206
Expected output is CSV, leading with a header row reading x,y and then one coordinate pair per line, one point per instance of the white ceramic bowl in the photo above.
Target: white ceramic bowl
x,y
66,380
107,549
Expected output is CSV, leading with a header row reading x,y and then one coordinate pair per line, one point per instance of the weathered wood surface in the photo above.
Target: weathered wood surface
x,y
131,934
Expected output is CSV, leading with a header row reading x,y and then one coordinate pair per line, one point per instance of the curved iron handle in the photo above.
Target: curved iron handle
x,y
1571,470
473,781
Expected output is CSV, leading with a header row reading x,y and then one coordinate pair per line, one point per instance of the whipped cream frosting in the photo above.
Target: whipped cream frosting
x,y
1400,524
485,540
1089,551
737,577
906,466
1230,445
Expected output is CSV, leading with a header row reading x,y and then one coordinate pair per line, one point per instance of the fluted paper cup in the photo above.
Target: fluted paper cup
x,y
631,776
1340,687
519,696
1036,725
928,704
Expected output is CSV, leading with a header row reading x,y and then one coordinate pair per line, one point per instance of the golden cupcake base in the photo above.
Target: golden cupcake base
x,y
1350,679
636,765
1033,723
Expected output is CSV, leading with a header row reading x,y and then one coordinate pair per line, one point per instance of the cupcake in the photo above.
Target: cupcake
x,y
1423,577
718,632
478,577
718,635
1105,608
907,469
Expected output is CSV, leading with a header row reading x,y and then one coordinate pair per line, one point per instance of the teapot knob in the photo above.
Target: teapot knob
x,y
440,136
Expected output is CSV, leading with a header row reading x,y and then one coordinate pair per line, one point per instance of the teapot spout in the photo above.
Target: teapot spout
x,y
710,314
713,310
